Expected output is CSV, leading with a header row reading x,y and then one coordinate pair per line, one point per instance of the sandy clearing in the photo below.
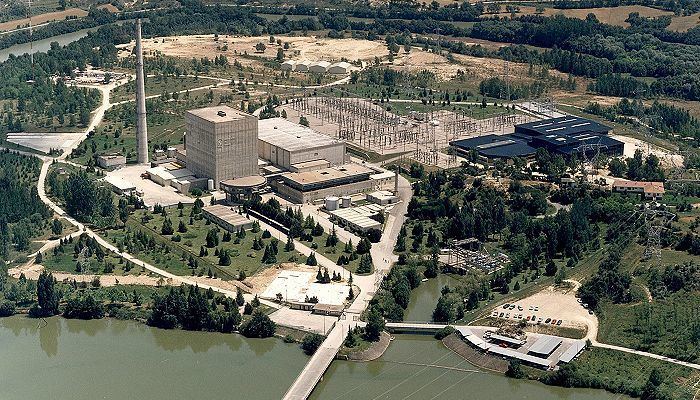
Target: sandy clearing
x,y
43,18
301,47
558,304
32,272
260,281
667,158
682,24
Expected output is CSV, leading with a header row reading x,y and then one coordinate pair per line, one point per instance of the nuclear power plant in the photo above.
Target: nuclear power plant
x,y
141,127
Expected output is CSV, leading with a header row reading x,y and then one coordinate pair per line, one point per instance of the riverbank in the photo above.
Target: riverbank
x,y
473,356
375,350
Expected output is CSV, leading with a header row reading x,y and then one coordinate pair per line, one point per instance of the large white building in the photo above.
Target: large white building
x,y
221,143
294,147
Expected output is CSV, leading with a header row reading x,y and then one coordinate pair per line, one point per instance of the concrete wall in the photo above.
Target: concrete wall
x,y
335,154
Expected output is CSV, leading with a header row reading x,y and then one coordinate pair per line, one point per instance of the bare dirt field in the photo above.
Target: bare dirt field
x,y
301,47
607,15
632,145
682,24
32,272
43,18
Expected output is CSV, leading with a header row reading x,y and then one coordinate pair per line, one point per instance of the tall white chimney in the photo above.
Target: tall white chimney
x,y
141,128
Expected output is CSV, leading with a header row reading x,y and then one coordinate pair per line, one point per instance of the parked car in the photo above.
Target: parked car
x,y
547,320
530,308
500,315
539,320
505,306
528,318
520,308
559,322
508,315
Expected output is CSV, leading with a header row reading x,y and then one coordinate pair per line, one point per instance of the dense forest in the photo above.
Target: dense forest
x,y
22,214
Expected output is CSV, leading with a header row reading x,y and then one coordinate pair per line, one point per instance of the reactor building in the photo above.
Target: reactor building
x,y
221,143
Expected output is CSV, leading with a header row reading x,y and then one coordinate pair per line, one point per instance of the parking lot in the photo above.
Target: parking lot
x,y
551,304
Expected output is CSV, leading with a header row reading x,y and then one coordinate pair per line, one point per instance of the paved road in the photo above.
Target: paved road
x,y
383,257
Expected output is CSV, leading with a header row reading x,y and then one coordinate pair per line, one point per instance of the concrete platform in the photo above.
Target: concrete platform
x,y
45,141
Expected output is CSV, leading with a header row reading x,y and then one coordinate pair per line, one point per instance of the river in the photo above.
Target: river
x,y
43,45
112,359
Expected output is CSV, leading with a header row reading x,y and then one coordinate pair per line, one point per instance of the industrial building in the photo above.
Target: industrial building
x,y
111,160
358,218
306,187
302,66
288,145
567,136
226,217
288,65
648,190
319,67
544,346
221,143
340,68
242,189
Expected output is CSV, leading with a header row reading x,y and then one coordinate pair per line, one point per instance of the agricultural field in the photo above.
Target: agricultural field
x,y
43,18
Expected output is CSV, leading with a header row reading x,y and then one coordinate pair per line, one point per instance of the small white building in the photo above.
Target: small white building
x,y
288,65
340,68
120,185
319,67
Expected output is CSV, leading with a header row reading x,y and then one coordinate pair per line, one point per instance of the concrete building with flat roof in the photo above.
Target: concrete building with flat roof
x,y
545,345
285,143
221,143
111,160
358,218
226,217
309,186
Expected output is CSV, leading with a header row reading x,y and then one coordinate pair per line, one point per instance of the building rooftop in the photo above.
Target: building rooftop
x,y
359,216
290,136
495,146
507,339
648,187
219,113
575,349
227,214
327,174
566,125
545,345
542,362
245,182
311,164
119,183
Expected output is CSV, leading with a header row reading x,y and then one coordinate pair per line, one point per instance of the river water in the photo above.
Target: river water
x,y
43,45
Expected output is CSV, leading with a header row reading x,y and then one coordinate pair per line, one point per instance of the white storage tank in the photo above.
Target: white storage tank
x,y
210,185
346,201
332,203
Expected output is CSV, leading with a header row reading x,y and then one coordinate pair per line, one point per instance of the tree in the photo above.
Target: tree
x,y
303,121
212,238
56,227
280,55
375,324
515,370
259,326
47,295
289,246
260,47
365,266
311,260
181,227
240,301
651,388
311,343
167,228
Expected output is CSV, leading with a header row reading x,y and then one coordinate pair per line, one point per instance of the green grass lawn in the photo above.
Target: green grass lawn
x,y
243,256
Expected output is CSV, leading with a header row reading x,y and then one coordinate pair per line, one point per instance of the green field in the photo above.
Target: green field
x,y
168,253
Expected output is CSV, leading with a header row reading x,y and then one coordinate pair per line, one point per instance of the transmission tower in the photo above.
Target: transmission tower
x,y
656,222
590,152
